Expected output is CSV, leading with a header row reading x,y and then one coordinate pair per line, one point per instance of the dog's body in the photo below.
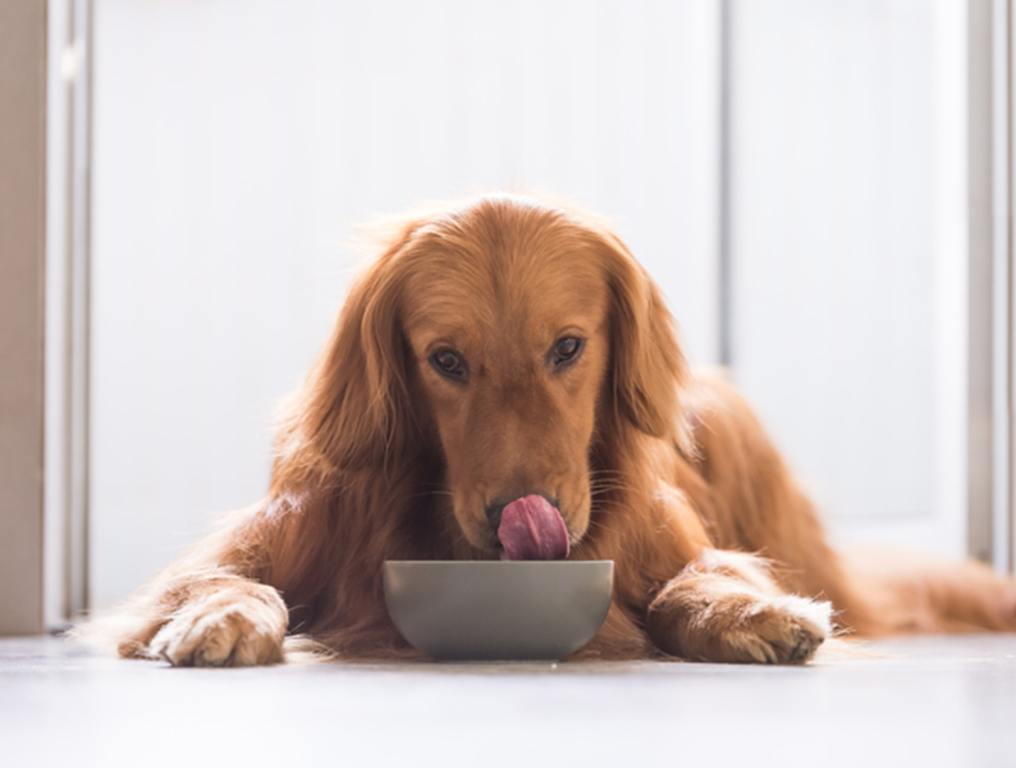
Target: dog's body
x,y
506,348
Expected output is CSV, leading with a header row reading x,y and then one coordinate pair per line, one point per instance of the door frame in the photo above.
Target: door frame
x,y
990,290
68,312
22,315
63,557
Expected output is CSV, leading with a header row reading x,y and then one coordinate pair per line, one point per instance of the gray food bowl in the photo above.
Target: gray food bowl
x,y
488,609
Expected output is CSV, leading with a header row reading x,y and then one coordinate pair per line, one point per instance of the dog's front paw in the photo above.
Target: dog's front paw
x,y
745,628
780,630
237,626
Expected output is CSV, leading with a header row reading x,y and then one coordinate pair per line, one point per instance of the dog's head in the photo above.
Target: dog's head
x,y
507,336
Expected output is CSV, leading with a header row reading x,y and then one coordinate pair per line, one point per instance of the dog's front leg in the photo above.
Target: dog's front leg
x,y
725,607
218,606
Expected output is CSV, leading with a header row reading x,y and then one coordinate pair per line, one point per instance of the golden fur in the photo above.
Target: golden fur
x,y
667,473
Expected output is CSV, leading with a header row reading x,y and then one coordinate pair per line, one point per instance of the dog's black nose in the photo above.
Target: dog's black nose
x,y
494,510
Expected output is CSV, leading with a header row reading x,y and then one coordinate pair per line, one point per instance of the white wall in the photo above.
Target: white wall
x,y
238,142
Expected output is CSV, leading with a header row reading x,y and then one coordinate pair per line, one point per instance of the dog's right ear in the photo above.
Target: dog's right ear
x,y
648,369
354,410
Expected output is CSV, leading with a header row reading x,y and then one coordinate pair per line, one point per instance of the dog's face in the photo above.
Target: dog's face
x,y
509,336
507,322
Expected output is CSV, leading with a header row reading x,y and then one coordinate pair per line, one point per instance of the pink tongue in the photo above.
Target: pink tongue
x,y
532,529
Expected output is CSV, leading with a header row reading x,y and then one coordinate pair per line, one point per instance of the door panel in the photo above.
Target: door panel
x,y
848,239
238,143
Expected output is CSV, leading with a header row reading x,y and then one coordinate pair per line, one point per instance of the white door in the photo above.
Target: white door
x,y
237,144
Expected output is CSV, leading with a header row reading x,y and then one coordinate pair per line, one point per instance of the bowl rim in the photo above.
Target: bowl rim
x,y
500,563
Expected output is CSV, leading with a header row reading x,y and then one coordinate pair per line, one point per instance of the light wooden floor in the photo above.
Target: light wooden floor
x,y
916,702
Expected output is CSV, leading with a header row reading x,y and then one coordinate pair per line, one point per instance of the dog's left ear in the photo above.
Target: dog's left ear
x,y
648,369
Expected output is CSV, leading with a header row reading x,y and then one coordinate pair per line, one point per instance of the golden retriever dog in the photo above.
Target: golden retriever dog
x,y
505,381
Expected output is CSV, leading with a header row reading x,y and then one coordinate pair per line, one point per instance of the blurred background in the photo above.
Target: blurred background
x,y
808,180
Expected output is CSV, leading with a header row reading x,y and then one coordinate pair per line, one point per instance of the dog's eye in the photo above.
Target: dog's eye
x,y
566,349
449,363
